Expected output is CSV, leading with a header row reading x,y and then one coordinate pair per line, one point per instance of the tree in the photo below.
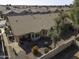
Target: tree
x,y
35,50
56,11
59,22
57,25
1,14
75,12
55,33
54,36
8,8
74,15
6,18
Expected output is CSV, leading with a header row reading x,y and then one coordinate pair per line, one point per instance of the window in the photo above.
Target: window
x,y
37,35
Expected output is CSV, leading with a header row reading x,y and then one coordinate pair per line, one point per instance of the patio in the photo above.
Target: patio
x,y
41,43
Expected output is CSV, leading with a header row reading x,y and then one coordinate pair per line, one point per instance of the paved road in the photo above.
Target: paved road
x,y
68,53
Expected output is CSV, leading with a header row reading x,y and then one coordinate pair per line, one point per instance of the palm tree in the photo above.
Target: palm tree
x,y
55,31
74,14
54,36
59,23
61,20
1,14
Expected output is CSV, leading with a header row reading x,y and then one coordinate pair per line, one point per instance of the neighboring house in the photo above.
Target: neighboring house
x,y
34,10
10,13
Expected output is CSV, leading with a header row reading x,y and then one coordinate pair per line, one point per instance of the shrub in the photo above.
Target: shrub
x,y
33,44
8,8
77,38
46,50
35,50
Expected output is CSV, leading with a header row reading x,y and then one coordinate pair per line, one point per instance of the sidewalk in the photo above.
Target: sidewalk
x,y
16,47
5,41
9,47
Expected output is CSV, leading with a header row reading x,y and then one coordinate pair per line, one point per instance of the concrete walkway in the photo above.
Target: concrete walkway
x,y
5,39
16,47
9,48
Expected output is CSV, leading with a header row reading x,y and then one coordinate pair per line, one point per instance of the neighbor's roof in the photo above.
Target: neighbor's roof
x,y
33,9
31,23
20,11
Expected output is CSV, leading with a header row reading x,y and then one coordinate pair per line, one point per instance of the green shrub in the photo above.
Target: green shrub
x,y
33,44
77,38
35,50
46,50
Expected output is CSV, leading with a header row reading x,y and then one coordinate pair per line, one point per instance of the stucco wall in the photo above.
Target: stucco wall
x,y
16,38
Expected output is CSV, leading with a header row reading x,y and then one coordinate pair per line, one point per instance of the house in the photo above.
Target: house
x,y
31,25
24,12
10,13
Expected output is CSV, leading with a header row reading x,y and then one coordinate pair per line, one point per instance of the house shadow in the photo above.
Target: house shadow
x,y
66,35
27,45
43,42
1,50
68,53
